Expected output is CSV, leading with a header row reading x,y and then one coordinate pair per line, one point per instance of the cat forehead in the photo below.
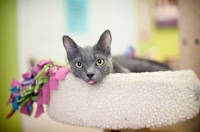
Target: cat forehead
x,y
90,52
87,49
87,52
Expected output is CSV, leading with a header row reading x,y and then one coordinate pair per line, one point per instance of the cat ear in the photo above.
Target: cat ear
x,y
105,41
70,45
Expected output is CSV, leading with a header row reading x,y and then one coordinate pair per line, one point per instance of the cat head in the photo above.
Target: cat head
x,y
90,63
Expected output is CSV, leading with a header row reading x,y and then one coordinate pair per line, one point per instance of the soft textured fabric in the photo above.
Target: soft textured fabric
x,y
135,100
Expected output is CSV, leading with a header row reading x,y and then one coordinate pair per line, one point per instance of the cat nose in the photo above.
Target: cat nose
x,y
90,75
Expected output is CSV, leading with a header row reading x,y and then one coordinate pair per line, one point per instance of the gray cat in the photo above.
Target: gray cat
x,y
93,63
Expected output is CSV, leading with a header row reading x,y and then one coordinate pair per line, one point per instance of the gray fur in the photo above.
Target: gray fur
x,y
88,57
140,65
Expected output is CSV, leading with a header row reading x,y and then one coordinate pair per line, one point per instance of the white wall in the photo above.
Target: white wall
x,y
41,25
116,15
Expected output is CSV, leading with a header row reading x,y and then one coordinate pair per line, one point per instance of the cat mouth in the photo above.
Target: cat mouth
x,y
91,82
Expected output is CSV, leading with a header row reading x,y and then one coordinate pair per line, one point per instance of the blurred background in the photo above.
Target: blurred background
x,y
31,30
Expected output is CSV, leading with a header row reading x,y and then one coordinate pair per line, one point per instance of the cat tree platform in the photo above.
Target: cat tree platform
x,y
120,101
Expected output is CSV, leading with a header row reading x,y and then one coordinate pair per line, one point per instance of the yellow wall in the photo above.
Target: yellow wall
x,y
165,41
8,63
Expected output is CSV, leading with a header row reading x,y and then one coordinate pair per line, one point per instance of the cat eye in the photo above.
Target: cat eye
x,y
78,65
100,62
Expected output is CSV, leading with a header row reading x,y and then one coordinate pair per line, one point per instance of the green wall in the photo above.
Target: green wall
x,y
8,63
165,41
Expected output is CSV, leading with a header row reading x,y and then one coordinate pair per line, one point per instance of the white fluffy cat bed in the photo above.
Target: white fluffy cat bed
x,y
120,101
